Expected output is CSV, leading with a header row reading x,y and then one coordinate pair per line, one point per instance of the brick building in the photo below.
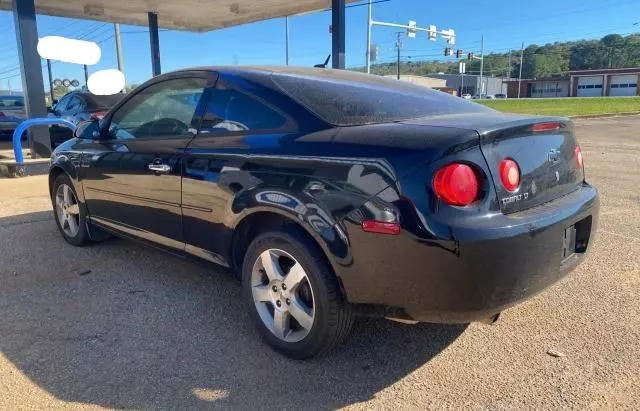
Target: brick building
x,y
579,83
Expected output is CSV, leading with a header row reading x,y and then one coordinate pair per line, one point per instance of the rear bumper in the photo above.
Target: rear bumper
x,y
488,264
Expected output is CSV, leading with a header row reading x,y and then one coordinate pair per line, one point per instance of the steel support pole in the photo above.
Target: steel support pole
x,y
368,51
116,29
24,17
155,44
286,38
337,34
50,81
86,76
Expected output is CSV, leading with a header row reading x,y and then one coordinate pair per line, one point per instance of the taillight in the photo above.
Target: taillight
x,y
578,153
509,174
549,126
98,115
456,184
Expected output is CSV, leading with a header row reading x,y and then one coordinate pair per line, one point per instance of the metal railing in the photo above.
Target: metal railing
x,y
22,127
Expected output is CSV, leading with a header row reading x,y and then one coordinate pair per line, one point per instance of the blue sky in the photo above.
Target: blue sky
x,y
505,24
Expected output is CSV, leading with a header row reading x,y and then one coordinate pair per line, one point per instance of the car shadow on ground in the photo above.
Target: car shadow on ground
x,y
123,326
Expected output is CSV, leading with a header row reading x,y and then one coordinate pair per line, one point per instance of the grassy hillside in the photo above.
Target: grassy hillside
x,y
567,107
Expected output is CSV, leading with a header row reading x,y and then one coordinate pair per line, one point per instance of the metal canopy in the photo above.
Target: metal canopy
x,y
192,15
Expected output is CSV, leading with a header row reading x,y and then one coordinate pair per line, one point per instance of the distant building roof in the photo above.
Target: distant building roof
x,y
12,92
606,71
541,79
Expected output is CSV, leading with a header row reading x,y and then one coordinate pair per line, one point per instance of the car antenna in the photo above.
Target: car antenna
x,y
324,65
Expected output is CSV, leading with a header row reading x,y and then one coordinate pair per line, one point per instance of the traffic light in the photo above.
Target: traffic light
x,y
470,56
448,51
458,53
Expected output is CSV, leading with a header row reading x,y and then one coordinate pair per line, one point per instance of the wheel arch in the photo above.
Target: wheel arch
x,y
64,167
262,219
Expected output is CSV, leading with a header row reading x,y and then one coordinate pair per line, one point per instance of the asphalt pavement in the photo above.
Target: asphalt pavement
x,y
117,325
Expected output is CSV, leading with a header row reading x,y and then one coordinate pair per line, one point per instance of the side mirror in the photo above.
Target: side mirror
x,y
88,130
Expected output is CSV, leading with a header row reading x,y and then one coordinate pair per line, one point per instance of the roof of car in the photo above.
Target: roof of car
x,y
313,72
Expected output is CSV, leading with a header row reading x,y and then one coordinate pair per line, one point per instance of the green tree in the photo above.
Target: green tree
x,y
59,92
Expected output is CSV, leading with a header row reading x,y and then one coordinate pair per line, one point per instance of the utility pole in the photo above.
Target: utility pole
x,y
521,62
50,80
116,29
368,51
398,47
482,67
286,38
508,75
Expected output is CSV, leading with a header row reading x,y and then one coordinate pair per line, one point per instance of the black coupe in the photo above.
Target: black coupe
x,y
333,194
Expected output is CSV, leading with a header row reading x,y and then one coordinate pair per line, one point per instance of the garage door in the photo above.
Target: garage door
x,y
624,85
590,86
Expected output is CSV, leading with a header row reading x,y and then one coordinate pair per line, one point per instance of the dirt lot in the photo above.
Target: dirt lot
x,y
120,326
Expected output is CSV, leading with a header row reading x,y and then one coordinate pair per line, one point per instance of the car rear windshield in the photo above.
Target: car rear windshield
x,y
345,98
11,101
101,102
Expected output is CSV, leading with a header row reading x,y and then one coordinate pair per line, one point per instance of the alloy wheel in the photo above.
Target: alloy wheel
x,y
67,210
283,295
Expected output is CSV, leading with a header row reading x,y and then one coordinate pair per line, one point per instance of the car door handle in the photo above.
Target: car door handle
x,y
160,168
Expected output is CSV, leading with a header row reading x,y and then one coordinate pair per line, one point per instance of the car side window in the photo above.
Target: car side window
x,y
164,109
232,110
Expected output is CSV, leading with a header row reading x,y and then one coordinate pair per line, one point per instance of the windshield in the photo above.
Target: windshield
x,y
345,98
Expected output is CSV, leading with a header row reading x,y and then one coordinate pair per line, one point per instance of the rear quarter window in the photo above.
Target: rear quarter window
x,y
349,99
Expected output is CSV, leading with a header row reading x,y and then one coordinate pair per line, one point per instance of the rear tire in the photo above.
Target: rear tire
x,y
68,212
286,280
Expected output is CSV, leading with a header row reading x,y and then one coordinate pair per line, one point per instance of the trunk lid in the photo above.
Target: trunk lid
x,y
547,159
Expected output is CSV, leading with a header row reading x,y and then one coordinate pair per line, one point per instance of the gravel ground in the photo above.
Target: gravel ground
x,y
121,326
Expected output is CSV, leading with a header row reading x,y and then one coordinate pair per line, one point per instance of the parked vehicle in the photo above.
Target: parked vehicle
x,y
79,106
12,113
500,95
484,96
333,194
466,96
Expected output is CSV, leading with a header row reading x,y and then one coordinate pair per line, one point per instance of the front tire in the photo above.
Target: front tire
x,y
293,295
68,213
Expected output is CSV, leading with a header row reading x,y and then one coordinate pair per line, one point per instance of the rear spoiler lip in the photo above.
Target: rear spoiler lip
x,y
482,122
521,127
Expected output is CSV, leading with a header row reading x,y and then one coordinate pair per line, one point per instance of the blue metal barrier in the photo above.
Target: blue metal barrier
x,y
22,127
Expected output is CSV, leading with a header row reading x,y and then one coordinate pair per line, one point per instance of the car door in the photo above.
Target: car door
x,y
235,122
132,180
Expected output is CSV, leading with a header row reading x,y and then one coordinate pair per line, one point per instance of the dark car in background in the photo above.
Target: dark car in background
x,y
78,106
12,113
333,194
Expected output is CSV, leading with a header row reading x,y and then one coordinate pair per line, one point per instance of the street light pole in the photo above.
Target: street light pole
x,y
520,74
368,51
482,67
398,47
